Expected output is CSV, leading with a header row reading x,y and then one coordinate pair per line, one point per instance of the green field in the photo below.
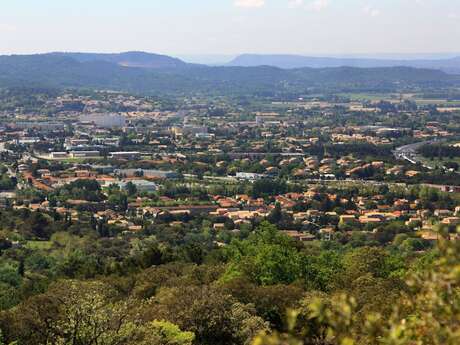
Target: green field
x,y
39,245
420,101
370,96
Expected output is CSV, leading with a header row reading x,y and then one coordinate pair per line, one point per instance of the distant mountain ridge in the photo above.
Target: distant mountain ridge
x,y
141,59
148,74
451,65
128,59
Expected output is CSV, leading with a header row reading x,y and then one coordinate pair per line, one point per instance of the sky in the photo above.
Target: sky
x,y
230,27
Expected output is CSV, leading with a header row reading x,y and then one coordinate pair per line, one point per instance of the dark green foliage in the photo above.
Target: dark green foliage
x,y
89,190
224,295
268,187
440,150
58,71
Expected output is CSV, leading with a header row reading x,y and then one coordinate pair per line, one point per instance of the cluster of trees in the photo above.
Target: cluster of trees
x,y
81,189
358,149
180,288
440,151
27,99
6,182
425,312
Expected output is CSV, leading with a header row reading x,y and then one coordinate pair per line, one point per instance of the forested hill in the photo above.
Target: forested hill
x,y
451,65
61,70
129,59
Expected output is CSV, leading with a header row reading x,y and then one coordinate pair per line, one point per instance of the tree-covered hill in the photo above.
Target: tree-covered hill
x,y
64,71
129,59
451,65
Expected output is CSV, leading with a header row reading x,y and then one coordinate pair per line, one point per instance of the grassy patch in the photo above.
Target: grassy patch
x,y
369,96
39,245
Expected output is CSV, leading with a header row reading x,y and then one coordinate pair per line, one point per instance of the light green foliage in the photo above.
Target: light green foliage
x,y
9,274
160,333
369,260
89,313
267,258
88,316
214,316
8,296
10,281
170,334
428,313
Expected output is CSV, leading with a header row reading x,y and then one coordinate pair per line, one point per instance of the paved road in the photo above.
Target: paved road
x,y
409,152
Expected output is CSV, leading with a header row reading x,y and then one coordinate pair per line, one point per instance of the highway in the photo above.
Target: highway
x,y
409,152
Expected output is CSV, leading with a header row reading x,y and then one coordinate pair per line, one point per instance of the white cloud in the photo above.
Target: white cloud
x,y
317,5
295,3
7,28
453,16
312,5
371,11
249,3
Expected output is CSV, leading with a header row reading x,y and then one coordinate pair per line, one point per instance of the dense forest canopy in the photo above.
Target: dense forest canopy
x,y
87,288
57,70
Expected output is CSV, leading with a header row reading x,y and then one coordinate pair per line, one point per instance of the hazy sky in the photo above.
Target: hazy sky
x,y
230,26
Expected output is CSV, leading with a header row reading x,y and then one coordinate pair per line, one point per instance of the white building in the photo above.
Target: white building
x,y
84,154
105,120
125,155
249,176
141,185
58,155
